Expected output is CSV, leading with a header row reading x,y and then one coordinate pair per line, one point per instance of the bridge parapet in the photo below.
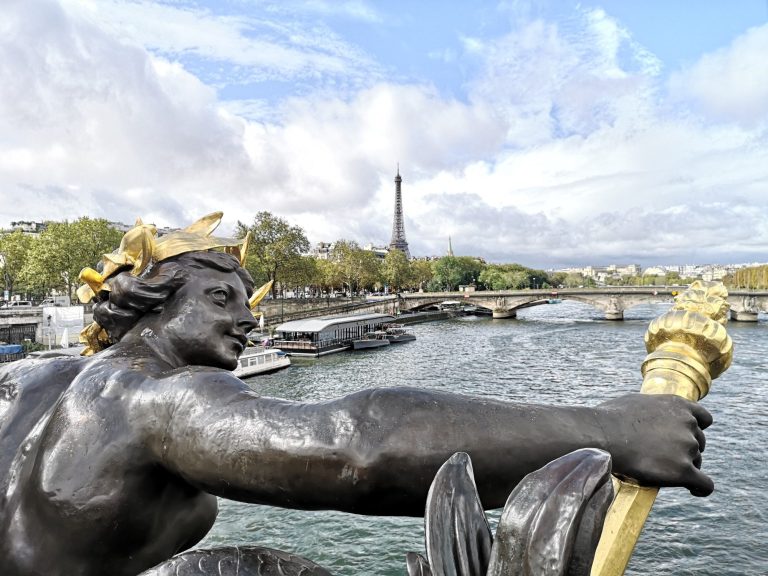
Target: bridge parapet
x,y
505,304
613,301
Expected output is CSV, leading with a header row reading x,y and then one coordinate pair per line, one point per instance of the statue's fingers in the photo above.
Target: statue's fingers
x,y
697,461
700,484
700,438
702,415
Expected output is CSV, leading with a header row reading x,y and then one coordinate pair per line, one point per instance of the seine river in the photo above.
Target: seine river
x,y
561,353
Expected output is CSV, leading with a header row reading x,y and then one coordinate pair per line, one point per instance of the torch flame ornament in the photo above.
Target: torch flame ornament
x,y
687,348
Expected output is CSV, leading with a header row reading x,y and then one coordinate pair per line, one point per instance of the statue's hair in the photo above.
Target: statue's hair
x,y
131,297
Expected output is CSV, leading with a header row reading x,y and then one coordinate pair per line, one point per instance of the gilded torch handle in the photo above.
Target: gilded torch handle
x,y
687,348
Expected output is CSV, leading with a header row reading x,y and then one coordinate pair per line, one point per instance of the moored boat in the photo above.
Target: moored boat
x,y
259,360
325,335
375,339
396,334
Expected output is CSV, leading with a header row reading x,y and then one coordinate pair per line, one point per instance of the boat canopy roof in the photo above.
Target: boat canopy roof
x,y
322,323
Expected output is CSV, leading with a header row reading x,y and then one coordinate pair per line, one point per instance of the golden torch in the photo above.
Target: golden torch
x,y
687,348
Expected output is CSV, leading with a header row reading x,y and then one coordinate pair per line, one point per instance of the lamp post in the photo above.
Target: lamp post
x,y
534,282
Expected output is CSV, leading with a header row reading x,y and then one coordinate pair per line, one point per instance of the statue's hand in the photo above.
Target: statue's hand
x,y
657,440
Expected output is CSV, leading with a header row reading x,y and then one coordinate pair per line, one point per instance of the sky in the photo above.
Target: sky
x,y
550,133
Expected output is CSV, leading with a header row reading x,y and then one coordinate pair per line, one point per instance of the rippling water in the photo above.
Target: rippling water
x,y
563,353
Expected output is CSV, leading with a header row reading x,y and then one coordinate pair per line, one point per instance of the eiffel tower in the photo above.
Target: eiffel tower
x,y
398,228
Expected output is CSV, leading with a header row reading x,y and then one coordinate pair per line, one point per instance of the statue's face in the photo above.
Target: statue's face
x,y
206,321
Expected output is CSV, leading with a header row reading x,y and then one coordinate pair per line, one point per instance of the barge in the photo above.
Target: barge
x,y
325,335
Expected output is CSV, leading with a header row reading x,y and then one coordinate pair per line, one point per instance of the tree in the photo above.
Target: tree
x,y
274,247
514,277
451,271
359,268
64,249
421,273
301,272
328,275
14,250
574,280
396,270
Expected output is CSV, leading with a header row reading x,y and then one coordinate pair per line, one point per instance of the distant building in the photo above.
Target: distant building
x,y
322,251
379,251
27,227
120,227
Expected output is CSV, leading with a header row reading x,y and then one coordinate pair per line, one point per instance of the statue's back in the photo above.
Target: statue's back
x,y
29,390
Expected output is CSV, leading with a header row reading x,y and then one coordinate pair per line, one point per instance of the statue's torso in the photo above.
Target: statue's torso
x,y
82,492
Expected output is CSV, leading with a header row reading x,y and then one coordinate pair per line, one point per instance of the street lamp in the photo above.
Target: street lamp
x,y
534,283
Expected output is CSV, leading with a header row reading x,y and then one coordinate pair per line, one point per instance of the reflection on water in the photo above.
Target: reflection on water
x,y
562,353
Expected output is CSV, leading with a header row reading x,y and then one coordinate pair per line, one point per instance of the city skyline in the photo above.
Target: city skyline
x,y
551,133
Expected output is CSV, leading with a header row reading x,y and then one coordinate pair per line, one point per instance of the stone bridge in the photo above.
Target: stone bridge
x,y
613,301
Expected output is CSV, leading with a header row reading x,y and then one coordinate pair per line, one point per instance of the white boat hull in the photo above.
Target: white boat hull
x,y
256,360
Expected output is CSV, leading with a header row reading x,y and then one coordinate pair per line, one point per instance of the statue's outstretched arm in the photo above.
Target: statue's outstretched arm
x,y
376,451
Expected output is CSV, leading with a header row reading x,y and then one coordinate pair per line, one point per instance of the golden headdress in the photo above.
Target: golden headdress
x,y
140,248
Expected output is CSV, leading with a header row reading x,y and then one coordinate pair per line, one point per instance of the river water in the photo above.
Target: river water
x,y
558,354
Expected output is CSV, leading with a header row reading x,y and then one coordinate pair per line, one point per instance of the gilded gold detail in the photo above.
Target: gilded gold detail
x,y
259,294
687,348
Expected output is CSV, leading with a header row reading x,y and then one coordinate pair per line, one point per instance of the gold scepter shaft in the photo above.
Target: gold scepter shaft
x,y
687,348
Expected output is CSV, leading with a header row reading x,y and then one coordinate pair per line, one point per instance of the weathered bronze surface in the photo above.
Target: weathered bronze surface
x,y
687,348
111,464
550,524
237,561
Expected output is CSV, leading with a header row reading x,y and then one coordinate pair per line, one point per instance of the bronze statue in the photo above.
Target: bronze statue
x,y
111,464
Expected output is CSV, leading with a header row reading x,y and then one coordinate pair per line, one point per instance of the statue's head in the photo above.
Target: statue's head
x,y
187,289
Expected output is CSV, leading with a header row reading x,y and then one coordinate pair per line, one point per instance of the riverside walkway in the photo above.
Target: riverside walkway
x,y
16,325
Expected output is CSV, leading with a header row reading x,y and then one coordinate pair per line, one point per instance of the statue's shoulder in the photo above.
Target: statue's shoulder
x,y
204,377
42,380
29,390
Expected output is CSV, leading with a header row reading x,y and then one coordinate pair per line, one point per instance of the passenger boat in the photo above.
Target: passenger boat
x,y
396,333
259,360
371,340
325,335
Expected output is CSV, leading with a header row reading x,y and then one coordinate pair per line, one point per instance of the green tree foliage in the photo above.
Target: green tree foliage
x,y
329,276
275,247
63,249
300,272
450,272
574,280
396,270
14,248
754,277
514,277
421,274
359,269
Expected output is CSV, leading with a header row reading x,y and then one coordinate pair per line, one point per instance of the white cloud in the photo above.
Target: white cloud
x,y
238,48
552,80
565,149
730,84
